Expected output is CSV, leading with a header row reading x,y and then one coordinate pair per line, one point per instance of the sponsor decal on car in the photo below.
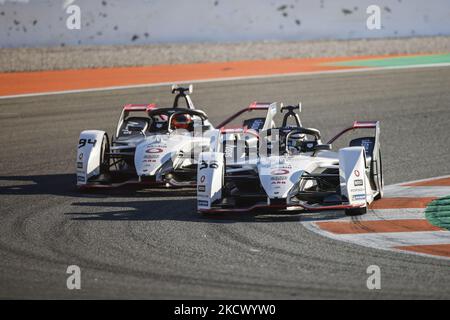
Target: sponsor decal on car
x,y
278,164
201,188
202,203
81,179
156,145
79,165
358,182
202,179
151,156
282,165
80,157
154,150
278,178
357,197
356,172
279,172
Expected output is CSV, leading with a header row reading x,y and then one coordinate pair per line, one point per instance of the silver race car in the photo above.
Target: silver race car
x,y
151,145
276,162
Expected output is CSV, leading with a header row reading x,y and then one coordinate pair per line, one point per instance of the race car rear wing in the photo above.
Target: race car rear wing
x,y
217,137
139,107
244,130
359,125
253,106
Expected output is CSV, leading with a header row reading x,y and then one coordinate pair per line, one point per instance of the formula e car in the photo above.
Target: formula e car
x,y
151,145
275,162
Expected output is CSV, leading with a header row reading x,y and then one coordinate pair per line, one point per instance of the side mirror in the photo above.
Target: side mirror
x,y
322,147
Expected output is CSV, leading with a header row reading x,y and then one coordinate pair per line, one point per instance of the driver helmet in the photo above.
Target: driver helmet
x,y
182,121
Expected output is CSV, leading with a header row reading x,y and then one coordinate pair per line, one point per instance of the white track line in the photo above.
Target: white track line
x,y
372,215
387,214
149,85
396,239
417,192
420,180
389,240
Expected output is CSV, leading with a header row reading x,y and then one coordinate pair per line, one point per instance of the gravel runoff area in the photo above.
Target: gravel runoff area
x,y
58,58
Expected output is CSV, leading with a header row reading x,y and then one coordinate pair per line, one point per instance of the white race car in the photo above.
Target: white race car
x,y
275,162
152,145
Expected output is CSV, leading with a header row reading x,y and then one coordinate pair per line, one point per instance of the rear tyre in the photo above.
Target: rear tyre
x,y
209,215
380,177
355,211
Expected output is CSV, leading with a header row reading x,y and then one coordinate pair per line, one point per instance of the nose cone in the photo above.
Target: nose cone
x,y
152,153
277,177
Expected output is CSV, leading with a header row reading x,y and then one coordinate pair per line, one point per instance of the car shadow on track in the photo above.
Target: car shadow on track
x,y
64,185
177,205
179,210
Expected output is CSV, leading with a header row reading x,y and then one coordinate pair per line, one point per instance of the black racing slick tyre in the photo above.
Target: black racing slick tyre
x,y
104,177
104,160
380,177
355,211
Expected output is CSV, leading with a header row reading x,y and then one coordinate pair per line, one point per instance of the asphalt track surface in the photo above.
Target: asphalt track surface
x,y
152,244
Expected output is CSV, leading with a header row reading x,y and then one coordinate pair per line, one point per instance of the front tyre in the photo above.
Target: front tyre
x,y
355,211
104,158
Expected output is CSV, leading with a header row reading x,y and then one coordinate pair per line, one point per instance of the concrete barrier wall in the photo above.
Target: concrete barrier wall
x,y
37,23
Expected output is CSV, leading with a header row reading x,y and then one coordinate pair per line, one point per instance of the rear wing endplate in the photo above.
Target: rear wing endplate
x,y
359,125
